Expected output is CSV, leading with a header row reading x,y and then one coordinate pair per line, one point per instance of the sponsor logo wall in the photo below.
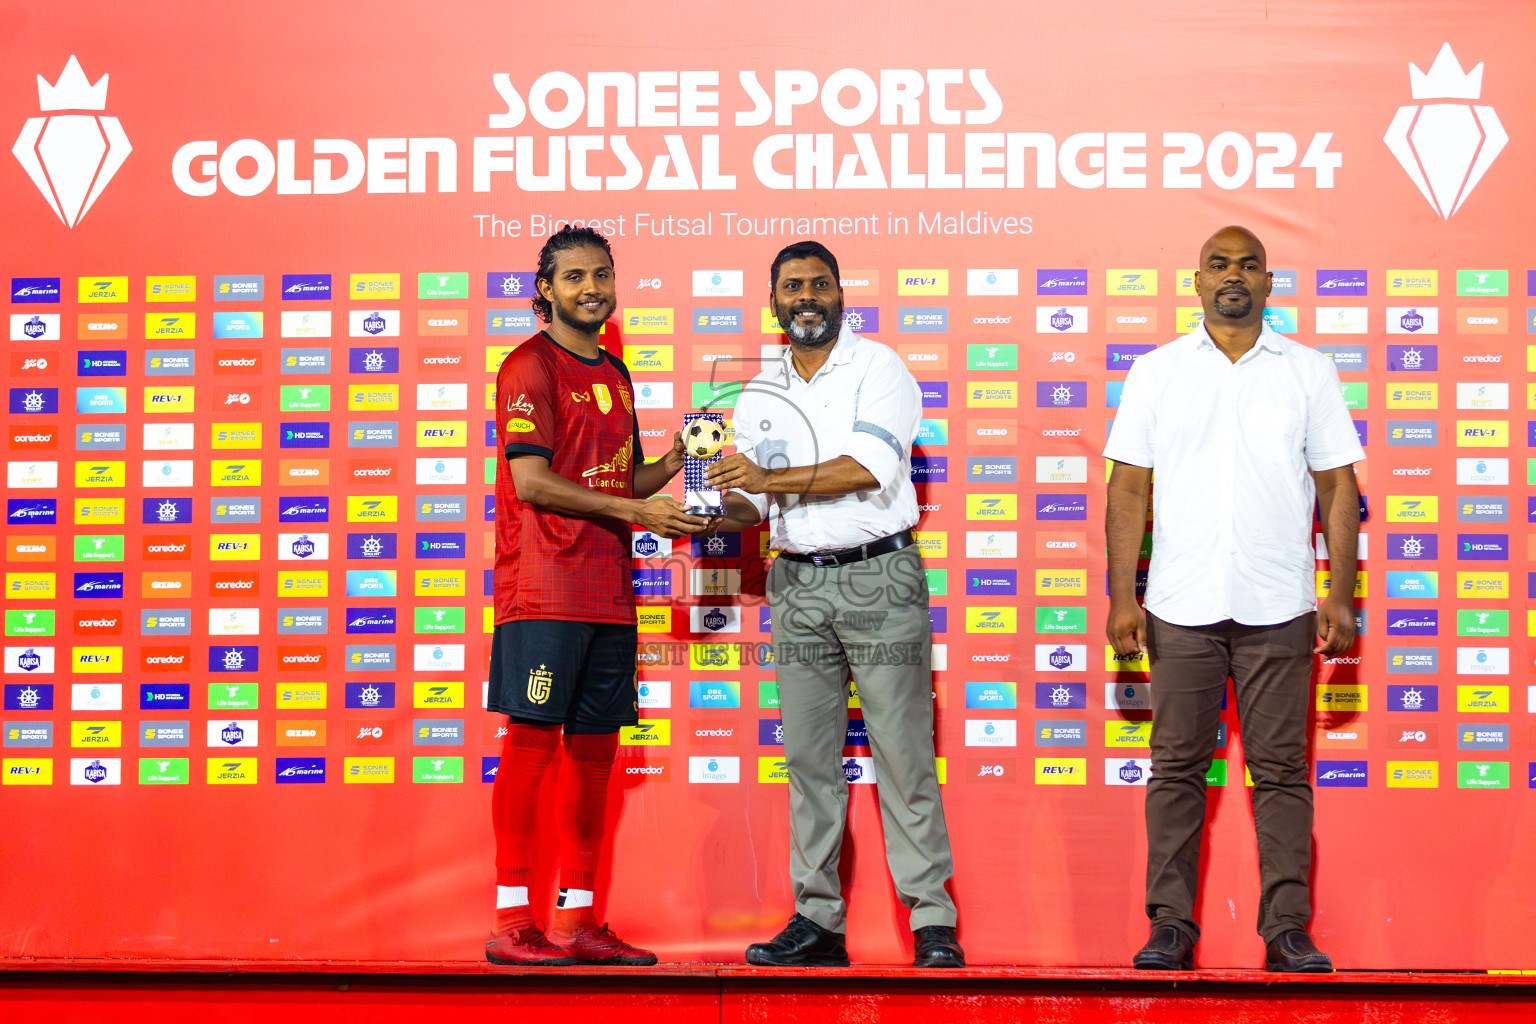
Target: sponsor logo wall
x,y
250,450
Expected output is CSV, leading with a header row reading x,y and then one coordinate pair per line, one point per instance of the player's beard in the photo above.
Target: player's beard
x,y
823,333
585,327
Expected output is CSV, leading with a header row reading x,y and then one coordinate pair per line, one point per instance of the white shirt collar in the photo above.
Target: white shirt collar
x,y
842,355
1268,339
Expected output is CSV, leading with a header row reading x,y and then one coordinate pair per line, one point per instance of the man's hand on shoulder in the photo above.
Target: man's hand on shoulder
x,y
1335,626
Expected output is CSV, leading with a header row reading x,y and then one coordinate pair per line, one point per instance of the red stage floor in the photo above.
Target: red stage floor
x,y
233,992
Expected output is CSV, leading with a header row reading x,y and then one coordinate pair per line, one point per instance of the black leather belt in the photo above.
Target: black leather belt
x,y
883,546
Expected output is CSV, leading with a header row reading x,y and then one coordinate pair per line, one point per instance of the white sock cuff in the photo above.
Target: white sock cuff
x,y
573,899
511,896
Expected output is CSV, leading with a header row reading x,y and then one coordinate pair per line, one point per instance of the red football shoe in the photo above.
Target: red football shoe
x,y
528,947
601,946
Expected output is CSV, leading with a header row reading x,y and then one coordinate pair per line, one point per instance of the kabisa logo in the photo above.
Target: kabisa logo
x,y
71,157
1446,148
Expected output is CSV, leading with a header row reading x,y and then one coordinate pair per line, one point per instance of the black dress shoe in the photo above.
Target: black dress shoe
x,y
935,946
1168,949
802,943
1294,952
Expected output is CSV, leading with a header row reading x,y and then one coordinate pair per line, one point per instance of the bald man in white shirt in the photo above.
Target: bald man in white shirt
x,y
824,441
1244,429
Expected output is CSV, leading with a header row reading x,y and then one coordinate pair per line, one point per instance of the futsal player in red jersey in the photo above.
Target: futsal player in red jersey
x,y
572,482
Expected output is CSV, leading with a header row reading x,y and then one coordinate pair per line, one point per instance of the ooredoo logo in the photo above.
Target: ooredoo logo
x,y
165,659
442,358
166,547
71,157
227,584
1446,148
241,361
95,623
372,469
34,438
295,659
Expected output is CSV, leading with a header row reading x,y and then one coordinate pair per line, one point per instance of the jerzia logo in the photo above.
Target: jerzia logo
x,y
71,157
1446,147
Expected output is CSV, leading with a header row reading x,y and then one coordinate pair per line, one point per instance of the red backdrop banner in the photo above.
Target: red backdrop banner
x,y
264,265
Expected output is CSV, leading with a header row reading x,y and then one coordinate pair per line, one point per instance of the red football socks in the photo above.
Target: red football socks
x,y
583,808
525,759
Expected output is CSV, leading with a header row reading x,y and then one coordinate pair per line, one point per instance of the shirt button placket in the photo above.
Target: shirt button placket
x,y
815,533
1227,537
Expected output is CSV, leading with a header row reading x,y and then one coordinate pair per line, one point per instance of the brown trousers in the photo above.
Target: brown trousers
x,y
1271,668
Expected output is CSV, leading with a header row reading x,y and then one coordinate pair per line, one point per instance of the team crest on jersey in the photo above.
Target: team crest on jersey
x,y
539,682
603,397
629,403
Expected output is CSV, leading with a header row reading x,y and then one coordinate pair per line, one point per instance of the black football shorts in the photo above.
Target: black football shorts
x,y
552,670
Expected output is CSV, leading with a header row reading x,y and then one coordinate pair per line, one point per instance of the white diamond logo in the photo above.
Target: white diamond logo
x,y
1446,148
71,157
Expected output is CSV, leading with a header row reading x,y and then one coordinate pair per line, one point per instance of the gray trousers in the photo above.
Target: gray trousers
x,y
869,619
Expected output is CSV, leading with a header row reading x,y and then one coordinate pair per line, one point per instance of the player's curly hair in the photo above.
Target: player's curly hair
x,y
571,236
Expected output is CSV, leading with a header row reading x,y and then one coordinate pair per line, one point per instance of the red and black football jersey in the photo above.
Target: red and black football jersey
x,y
580,415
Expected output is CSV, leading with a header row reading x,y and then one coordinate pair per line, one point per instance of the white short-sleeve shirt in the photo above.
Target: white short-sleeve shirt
x,y
862,403
1230,445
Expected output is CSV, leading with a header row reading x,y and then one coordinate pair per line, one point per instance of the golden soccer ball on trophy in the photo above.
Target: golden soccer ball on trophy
x,y
702,438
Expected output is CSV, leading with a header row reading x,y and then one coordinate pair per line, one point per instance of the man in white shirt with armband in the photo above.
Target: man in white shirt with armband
x,y
1243,428
824,438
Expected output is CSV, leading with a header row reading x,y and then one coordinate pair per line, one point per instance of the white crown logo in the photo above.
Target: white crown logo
x,y
71,157
73,91
1444,80
1446,148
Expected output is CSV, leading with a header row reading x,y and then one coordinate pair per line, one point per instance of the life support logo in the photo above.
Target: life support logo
x,y
1446,147
71,157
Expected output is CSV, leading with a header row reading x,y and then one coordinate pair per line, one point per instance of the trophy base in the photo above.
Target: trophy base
x,y
703,503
